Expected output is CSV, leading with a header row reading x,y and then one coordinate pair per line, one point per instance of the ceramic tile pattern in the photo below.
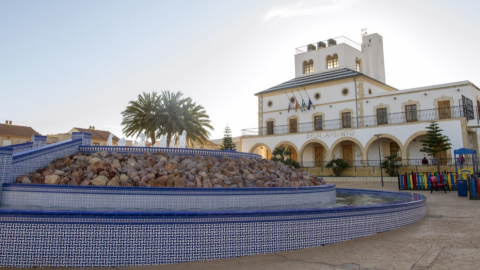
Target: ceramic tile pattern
x,y
43,237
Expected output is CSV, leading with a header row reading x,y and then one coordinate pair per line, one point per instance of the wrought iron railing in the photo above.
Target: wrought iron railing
x,y
366,121
404,162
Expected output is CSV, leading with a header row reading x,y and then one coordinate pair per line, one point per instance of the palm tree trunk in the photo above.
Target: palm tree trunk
x,y
169,139
152,137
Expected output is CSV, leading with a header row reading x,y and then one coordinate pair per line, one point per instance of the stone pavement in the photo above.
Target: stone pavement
x,y
447,238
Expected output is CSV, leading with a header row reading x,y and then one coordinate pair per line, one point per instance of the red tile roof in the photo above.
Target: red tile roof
x,y
97,134
17,131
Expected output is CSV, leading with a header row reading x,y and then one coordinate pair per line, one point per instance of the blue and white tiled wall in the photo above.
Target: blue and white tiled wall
x,y
165,199
83,238
95,238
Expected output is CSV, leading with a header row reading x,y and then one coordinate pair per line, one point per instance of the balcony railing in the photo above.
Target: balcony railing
x,y
404,162
366,121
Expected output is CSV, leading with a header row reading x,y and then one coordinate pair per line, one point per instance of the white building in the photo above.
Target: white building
x,y
351,102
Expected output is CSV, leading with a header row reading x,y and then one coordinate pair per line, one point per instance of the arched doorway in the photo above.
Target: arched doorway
x,y
415,156
261,150
313,154
348,149
388,147
293,151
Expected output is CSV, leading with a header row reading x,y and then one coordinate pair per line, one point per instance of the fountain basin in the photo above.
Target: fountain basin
x,y
84,238
151,198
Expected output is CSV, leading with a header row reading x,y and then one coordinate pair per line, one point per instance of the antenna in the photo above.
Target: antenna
x,y
364,32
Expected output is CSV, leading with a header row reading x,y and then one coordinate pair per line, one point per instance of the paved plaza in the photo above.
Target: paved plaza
x,y
447,238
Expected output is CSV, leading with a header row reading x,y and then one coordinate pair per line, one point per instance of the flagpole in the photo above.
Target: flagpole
x,y
309,100
288,111
306,93
294,95
303,101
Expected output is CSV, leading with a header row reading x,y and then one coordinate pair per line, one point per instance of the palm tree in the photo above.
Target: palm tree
x,y
196,121
179,114
142,116
166,114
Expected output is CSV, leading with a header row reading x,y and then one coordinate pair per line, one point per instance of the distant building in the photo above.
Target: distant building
x,y
12,134
339,100
99,137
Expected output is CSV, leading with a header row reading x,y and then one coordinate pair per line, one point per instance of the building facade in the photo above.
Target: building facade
x,y
99,137
13,134
339,101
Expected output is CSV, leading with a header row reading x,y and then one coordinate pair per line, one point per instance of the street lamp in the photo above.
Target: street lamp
x,y
379,156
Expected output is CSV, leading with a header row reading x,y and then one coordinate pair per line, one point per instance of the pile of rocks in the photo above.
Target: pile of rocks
x,y
158,170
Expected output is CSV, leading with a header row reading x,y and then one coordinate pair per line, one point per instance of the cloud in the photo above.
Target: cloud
x,y
305,7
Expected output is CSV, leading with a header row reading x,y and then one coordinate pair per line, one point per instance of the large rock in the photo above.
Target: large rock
x,y
158,170
159,182
100,180
179,182
115,181
170,167
52,179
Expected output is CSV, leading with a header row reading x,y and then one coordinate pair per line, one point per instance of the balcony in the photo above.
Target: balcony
x,y
367,121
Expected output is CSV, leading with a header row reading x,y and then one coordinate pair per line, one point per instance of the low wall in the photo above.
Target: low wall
x,y
31,160
163,199
359,179
74,238
166,151
374,171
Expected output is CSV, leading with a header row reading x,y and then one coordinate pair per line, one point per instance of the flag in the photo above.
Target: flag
x,y
309,103
296,105
289,107
303,103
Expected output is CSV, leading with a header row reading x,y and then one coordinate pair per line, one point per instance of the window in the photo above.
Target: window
x,y
478,109
317,96
411,112
96,144
329,62
335,60
293,125
332,61
346,120
345,91
317,122
269,103
468,108
382,118
358,65
269,127
307,66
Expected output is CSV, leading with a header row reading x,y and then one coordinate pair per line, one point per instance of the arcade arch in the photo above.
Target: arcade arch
x,y
292,147
313,153
413,146
389,145
348,148
262,150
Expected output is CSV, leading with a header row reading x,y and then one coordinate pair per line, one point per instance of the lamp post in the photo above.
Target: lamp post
x,y
379,156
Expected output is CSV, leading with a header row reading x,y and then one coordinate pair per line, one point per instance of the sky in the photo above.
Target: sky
x,y
66,64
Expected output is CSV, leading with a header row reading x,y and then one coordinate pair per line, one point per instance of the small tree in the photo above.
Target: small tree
x,y
435,142
337,165
282,154
227,143
391,165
